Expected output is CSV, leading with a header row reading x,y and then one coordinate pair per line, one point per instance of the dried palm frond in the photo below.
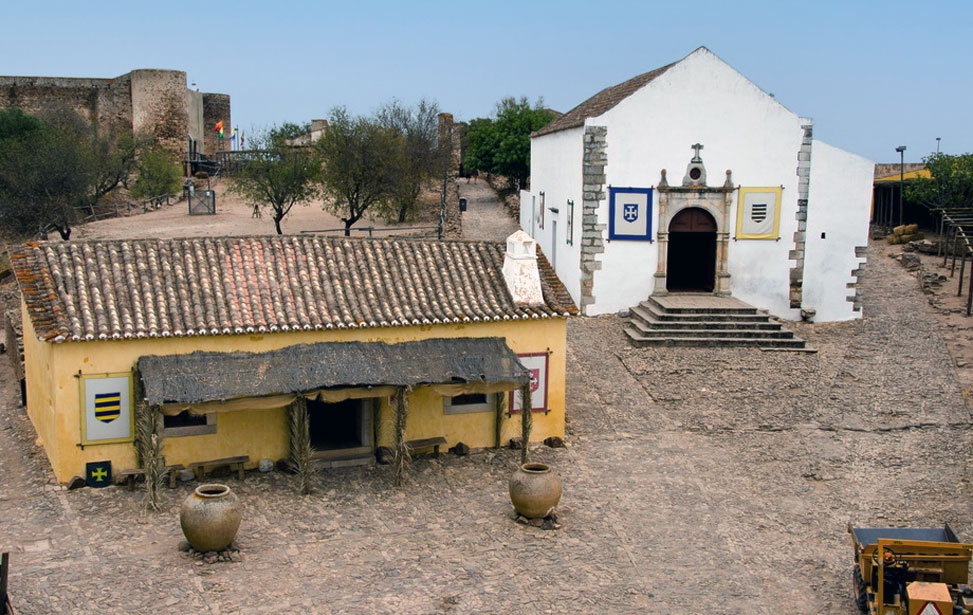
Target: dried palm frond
x,y
402,456
300,446
526,422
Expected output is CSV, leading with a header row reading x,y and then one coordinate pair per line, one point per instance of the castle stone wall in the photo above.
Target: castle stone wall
x,y
159,106
147,100
216,107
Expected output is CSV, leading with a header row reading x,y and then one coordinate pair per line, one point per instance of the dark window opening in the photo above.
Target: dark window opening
x,y
468,399
183,419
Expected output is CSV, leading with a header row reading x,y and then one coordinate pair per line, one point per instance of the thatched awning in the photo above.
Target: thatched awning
x,y
202,377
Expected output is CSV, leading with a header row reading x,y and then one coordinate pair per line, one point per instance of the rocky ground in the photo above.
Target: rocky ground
x,y
695,480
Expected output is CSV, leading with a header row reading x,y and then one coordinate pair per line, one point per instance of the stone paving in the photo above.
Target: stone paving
x,y
695,480
485,217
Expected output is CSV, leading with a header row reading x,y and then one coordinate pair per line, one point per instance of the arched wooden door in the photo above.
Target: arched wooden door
x,y
691,261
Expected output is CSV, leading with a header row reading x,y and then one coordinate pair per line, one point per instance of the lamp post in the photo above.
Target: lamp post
x,y
901,150
937,144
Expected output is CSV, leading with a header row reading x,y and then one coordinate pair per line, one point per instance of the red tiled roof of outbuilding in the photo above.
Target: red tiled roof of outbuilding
x,y
233,285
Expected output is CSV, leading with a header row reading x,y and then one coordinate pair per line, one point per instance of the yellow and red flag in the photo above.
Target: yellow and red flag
x,y
219,129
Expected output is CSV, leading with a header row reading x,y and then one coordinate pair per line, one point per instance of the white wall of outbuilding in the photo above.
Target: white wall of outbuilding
x,y
556,171
837,222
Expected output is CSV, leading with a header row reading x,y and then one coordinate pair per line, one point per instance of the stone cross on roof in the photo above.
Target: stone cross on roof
x,y
697,147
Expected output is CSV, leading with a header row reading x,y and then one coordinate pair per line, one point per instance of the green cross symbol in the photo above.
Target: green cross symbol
x,y
99,474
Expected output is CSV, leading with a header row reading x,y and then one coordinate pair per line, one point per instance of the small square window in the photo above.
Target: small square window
x,y
188,424
469,402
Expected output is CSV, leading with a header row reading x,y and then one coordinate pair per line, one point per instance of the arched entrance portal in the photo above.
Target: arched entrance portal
x,y
692,251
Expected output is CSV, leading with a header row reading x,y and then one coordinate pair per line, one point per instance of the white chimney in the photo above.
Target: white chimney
x,y
520,270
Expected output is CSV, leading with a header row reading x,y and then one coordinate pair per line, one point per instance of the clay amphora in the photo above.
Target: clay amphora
x,y
210,517
535,489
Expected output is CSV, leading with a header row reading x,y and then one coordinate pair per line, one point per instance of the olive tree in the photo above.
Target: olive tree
x,y
278,175
420,156
359,157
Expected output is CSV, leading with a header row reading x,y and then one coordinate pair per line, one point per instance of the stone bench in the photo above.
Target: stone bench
x,y
433,443
199,468
129,477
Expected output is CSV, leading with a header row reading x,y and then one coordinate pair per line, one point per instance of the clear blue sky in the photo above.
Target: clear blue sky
x,y
873,75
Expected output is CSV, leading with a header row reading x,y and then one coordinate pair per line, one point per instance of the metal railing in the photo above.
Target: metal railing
x,y
119,209
374,229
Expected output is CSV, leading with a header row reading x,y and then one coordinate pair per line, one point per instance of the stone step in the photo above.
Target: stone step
x,y
660,313
719,333
735,310
649,320
676,340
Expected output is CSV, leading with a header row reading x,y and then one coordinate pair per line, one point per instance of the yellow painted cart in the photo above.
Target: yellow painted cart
x,y
911,571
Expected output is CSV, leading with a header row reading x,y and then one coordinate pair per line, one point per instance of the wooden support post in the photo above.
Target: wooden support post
x,y
300,444
962,271
149,440
939,235
498,427
401,449
969,298
526,421
952,268
945,240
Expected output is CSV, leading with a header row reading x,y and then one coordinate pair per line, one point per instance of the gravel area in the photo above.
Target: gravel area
x,y
694,480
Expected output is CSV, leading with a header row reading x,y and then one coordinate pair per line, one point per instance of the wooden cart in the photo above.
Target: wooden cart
x,y
911,571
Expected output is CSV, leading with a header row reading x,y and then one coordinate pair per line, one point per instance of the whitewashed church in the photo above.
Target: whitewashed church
x,y
691,179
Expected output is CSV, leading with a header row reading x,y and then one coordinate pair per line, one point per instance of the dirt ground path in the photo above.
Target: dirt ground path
x,y
234,217
695,480
485,218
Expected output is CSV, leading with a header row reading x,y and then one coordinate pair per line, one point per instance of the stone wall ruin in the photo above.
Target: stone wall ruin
x,y
150,101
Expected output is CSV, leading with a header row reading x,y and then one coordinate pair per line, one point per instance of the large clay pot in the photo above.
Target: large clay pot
x,y
210,517
535,489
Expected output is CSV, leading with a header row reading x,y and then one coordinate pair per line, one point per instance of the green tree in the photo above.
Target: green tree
x,y
14,123
278,175
112,160
45,173
951,184
359,170
501,145
157,174
419,157
288,130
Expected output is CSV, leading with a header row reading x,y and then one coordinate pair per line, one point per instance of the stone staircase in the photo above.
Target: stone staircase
x,y
706,320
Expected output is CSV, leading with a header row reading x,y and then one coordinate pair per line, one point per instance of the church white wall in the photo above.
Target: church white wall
x,y
701,99
555,170
839,199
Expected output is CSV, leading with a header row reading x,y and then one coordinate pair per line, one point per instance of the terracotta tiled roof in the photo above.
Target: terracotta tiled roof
x,y
213,286
600,102
884,169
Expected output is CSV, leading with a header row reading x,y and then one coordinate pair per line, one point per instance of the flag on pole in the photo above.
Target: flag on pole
x,y
233,135
219,129
243,139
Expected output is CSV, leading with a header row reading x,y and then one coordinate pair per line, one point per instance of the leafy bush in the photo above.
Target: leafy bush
x,y
158,174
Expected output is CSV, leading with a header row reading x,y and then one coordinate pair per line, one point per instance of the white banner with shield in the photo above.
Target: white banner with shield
x,y
106,408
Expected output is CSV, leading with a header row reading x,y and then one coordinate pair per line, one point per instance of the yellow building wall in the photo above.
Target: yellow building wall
x,y
55,405
40,402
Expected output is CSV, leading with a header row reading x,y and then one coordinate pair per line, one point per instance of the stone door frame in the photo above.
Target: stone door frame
x,y
717,202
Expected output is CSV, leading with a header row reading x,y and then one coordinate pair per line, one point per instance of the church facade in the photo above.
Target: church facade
x,y
690,178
